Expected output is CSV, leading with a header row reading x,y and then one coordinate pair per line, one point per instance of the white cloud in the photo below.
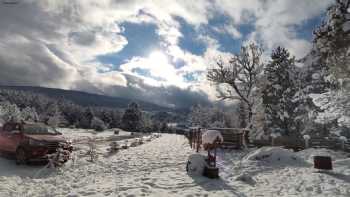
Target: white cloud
x,y
60,39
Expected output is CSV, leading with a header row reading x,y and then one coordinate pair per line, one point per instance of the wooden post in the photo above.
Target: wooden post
x,y
307,139
198,143
343,140
215,145
306,143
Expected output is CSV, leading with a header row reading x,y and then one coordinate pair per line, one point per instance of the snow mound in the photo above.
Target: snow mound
x,y
274,156
306,137
210,136
196,164
346,26
244,177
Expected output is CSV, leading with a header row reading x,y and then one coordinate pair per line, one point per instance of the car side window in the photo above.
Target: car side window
x,y
7,128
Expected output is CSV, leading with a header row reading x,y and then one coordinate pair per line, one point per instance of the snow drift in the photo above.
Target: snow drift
x,y
274,156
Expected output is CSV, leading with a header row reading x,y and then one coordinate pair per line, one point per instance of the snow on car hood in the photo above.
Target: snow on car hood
x,y
48,138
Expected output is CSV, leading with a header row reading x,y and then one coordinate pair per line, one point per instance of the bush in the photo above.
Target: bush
x,y
98,124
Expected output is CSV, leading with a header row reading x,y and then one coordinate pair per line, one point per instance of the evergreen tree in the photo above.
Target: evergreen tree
x,y
85,120
9,112
97,124
332,42
332,39
278,93
132,118
29,114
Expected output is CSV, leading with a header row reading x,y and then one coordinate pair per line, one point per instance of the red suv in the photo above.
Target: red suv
x,y
31,141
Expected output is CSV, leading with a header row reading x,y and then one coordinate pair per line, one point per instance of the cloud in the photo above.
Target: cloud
x,y
57,43
170,96
229,29
25,62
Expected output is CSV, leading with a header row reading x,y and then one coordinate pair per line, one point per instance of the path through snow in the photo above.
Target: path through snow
x,y
157,168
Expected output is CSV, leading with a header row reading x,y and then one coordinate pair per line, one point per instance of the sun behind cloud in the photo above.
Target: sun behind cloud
x,y
157,57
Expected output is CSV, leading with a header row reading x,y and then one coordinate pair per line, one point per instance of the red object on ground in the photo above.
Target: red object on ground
x,y
323,163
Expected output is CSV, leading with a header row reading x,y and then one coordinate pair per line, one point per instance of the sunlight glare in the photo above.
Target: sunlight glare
x,y
158,57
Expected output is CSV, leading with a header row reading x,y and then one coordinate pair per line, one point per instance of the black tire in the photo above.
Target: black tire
x,y
21,157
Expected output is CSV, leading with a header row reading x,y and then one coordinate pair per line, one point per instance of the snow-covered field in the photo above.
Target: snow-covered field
x,y
157,168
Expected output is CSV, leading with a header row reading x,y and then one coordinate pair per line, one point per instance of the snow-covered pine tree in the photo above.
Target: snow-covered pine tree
x,y
97,124
9,112
207,117
278,94
29,114
199,116
217,118
132,118
86,118
106,117
116,118
332,40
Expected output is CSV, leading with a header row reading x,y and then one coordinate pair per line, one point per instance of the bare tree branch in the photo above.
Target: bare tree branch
x,y
240,73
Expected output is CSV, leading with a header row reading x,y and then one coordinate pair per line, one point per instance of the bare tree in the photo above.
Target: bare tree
x,y
241,73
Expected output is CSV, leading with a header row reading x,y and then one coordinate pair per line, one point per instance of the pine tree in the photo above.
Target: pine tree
x,y
332,39
10,112
199,116
278,93
132,118
85,120
97,124
29,114
332,42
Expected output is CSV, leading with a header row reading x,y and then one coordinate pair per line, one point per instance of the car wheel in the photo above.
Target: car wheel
x,y
21,157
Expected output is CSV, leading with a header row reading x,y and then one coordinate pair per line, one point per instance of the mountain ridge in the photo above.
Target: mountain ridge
x,y
87,99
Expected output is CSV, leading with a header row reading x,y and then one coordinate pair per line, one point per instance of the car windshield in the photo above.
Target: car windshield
x,y
39,129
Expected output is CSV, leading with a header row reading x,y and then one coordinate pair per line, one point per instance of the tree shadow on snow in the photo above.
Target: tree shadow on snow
x,y
211,185
336,175
9,168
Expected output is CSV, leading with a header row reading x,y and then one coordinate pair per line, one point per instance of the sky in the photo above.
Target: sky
x,y
152,50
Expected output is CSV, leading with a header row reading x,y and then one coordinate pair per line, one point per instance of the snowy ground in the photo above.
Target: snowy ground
x,y
157,168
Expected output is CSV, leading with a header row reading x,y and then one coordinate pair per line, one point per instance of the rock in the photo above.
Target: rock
x,y
346,26
246,178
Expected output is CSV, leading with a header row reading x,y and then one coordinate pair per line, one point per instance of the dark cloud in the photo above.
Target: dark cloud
x,y
23,62
170,96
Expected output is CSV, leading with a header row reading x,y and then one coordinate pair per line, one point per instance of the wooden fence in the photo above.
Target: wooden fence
x,y
330,143
299,144
233,137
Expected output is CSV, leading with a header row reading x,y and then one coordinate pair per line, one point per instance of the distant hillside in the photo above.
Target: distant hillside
x,y
87,99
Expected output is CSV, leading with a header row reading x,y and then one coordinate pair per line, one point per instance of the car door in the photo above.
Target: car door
x,y
13,138
4,138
